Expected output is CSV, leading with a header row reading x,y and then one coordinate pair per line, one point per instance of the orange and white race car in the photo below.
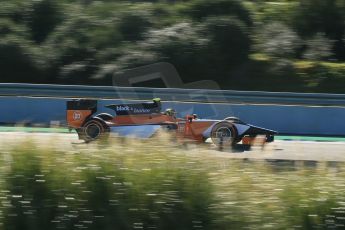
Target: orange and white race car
x,y
82,116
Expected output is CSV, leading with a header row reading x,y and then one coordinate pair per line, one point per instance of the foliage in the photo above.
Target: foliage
x,y
132,25
201,9
153,184
322,16
198,50
318,48
275,11
278,40
42,17
229,41
105,189
86,42
16,50
323,77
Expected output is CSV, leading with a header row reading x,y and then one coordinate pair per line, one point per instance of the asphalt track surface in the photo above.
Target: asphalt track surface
x,y
330,150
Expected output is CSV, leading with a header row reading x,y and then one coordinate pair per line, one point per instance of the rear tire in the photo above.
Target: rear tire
x,y
105,116
224,134
94,129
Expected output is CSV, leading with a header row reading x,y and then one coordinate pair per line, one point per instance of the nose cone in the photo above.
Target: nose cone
x,y
255,130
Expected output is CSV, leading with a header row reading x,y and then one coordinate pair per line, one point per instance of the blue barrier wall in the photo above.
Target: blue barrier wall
x,y
286,119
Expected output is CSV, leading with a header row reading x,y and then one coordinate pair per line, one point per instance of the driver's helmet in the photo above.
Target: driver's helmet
x,y
170,112
156,100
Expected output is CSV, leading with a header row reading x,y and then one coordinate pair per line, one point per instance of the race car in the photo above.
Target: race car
x,y
83,117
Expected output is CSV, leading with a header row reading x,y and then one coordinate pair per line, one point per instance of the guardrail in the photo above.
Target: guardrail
x,y
169,94
312,114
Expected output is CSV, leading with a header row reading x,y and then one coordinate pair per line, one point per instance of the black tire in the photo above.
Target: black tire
x,y
105,116
234,119
94,129
224,134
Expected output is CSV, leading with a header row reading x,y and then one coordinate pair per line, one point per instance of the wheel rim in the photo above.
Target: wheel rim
x,y
223,135
93,131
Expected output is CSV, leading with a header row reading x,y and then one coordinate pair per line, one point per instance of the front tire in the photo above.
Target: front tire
x,y
224,134
234,120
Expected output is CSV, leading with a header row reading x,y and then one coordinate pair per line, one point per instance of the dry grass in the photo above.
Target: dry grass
x,y
157,184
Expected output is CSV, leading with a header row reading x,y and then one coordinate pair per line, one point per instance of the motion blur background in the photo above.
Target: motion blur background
x,y
296,45
49,180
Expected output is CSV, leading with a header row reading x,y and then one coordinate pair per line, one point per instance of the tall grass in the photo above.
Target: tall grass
x,y
132,184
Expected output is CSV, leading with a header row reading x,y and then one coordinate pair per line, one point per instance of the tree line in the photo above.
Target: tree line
x,y
247,45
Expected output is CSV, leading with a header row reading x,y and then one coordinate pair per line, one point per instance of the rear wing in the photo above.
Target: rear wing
x,y
78,111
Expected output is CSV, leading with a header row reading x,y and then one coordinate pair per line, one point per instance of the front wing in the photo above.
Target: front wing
x,y
249,130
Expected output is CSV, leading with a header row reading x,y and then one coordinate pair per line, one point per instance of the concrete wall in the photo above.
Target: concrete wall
x,y
284,119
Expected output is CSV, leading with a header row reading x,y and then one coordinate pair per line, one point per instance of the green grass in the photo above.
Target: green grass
x,y
310,138
154,184
34,129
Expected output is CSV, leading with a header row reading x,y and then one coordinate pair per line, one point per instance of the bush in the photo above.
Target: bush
x,y
42,17
277,40
198,51
318,48
229,43
14,10
104,189
274,11
325,78
180,44
20,59
73,49
201,9
132,25
322,16
152,184
8,27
